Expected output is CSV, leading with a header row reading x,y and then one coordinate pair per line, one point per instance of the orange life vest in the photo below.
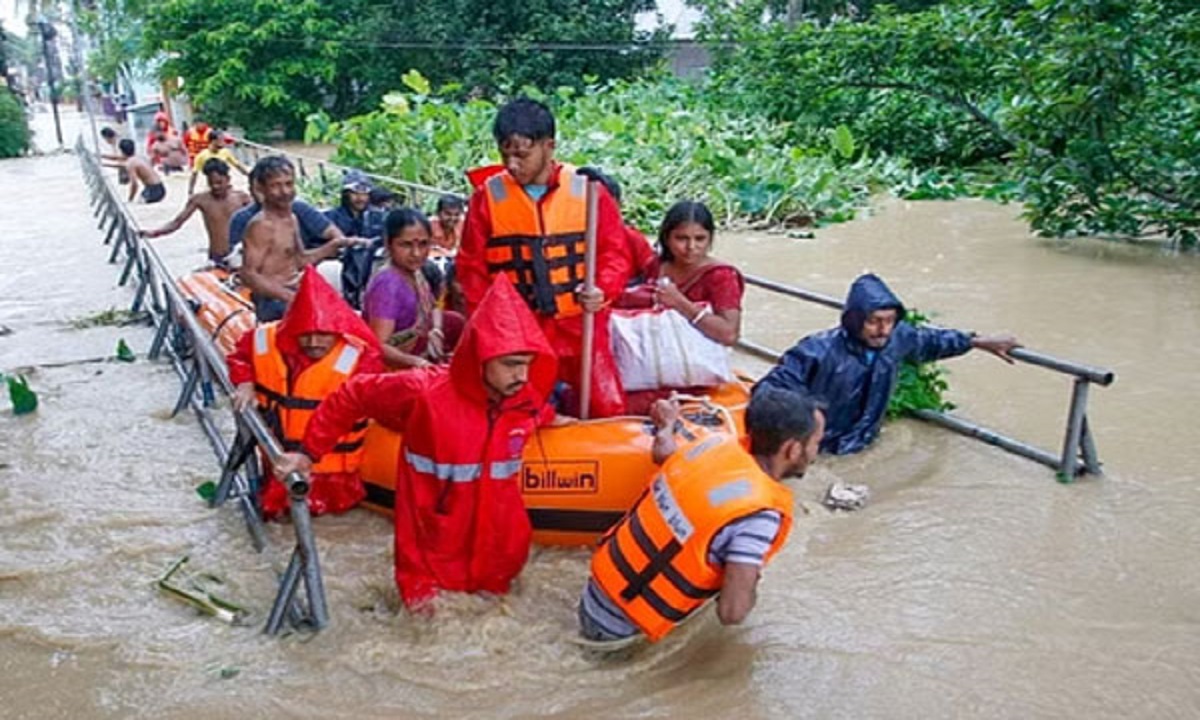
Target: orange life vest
x,y
654,563
196,141
290,402
539,245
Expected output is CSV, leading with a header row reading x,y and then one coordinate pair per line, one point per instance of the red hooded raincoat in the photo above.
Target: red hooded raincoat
x,y
317,307
460,521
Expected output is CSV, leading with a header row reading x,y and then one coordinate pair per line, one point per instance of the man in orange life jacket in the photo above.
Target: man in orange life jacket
x,y
711,518
526,220
291,365
460,521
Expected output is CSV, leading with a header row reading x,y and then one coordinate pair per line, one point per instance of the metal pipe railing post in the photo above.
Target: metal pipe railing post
x,y
1091,461
1075,418
283,601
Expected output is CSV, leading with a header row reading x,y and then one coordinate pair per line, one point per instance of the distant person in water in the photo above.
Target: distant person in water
x,y
853,368
114,158
141,174
216,206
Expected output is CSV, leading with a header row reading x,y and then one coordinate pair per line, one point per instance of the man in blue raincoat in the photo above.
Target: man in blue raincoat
x,y
853,368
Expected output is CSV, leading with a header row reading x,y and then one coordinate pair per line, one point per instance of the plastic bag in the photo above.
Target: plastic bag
x,y
660,349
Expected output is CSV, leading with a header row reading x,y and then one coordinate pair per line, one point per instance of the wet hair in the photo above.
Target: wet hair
x,y
107,133
379,196
127,147
610,183
216,165
401,218
450,202
775,416
270,166
215,135
523,117
682,213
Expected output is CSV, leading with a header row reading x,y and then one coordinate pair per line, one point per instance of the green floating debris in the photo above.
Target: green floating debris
x,y
124,354
1064,478
111,317
24,400
199,597
207,491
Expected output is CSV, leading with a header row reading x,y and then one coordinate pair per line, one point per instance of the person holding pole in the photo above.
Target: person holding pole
x,y
853,368
527,219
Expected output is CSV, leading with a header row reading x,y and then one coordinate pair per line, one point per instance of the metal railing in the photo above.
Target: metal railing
x,y
201,368
1078,453
412,193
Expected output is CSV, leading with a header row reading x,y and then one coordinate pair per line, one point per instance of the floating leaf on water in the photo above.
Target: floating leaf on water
x,y
124,354
112,317
24,400
229,672
207,491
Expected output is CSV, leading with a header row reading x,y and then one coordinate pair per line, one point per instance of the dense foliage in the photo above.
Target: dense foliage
x,y
663,140
1091,105
273,62
14,126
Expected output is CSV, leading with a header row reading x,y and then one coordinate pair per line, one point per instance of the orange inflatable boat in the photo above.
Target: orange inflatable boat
x,y
578,479
225,311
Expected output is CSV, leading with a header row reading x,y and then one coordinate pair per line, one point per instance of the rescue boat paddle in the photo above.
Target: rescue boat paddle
x,y
589,284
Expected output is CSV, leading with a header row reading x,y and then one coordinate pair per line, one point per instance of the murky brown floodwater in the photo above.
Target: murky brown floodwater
x,y
973,586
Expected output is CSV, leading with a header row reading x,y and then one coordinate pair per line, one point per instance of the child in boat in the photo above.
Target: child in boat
x,y
401,306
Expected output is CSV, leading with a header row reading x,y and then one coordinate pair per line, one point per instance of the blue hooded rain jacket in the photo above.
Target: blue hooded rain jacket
x,y
834,366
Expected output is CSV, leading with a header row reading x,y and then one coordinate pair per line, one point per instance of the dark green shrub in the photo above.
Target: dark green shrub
x,y
14,127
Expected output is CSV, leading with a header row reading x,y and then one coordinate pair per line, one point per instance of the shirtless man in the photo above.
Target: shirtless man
x,y
140,170
274,255
216,207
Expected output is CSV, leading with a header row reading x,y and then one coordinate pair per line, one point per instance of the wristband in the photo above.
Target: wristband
x,y
704,312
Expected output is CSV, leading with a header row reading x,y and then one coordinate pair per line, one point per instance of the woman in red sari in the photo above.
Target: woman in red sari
x,y
688,279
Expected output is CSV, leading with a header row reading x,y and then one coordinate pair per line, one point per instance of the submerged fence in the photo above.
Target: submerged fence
x,y
1078,453
201,368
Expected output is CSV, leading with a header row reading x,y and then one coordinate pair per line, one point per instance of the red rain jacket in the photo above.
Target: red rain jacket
x,y
317,307
564,334
460,521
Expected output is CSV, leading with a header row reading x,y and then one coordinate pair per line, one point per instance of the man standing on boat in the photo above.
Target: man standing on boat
x,y
289,367
853,368
526,220
274,255
460,521
710,520
216,206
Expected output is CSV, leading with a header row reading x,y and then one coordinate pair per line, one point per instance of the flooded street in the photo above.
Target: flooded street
x,y
973,585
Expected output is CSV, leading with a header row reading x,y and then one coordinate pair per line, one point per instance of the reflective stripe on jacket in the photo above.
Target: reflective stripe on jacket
x,y
654,564
290,402
539,245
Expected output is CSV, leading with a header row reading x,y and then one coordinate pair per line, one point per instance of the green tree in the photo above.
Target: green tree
x,y
488,47
1091,104
271,62
258,64
14,126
